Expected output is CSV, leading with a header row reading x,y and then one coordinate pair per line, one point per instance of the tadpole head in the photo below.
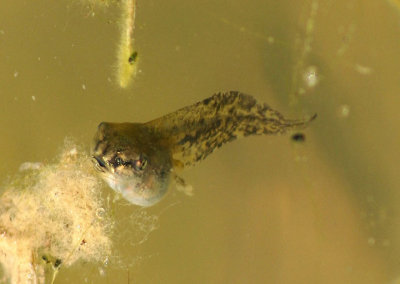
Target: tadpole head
x,y
132,161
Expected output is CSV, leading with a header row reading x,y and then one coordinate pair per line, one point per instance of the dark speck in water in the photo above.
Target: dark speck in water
x,y
298,137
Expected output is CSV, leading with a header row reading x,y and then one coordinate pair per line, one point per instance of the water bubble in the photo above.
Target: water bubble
x,y
344,111
311,77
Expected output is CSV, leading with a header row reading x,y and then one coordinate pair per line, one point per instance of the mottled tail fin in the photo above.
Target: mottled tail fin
x,y
195,131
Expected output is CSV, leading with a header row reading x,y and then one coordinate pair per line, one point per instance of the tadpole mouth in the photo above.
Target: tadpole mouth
x,y
99,163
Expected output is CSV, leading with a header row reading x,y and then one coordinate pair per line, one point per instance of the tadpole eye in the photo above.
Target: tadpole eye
x,y
140,164
118,161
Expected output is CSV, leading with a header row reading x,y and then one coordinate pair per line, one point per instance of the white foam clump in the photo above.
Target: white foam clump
x,y
50,216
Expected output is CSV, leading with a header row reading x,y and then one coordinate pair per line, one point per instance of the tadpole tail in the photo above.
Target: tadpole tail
x,y
198,129
281,125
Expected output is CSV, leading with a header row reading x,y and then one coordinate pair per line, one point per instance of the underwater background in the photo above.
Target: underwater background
x,y
265,209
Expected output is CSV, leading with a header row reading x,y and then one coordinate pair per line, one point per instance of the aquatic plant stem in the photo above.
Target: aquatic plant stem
x,y
126,54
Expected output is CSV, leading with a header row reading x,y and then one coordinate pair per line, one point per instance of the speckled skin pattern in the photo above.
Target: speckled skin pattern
x,y
138,159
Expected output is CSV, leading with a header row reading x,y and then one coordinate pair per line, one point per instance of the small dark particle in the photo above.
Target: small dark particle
x,y
57,263
83,242
45,259
133,57
298,137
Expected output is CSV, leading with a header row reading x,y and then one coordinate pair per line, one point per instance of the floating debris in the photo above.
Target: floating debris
x,y
127,56
30,166
363,70
46,213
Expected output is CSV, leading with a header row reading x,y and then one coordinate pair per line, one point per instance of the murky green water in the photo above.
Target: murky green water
x,y
265,210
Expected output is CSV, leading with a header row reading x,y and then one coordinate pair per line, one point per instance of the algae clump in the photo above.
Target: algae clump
x,y
53,216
